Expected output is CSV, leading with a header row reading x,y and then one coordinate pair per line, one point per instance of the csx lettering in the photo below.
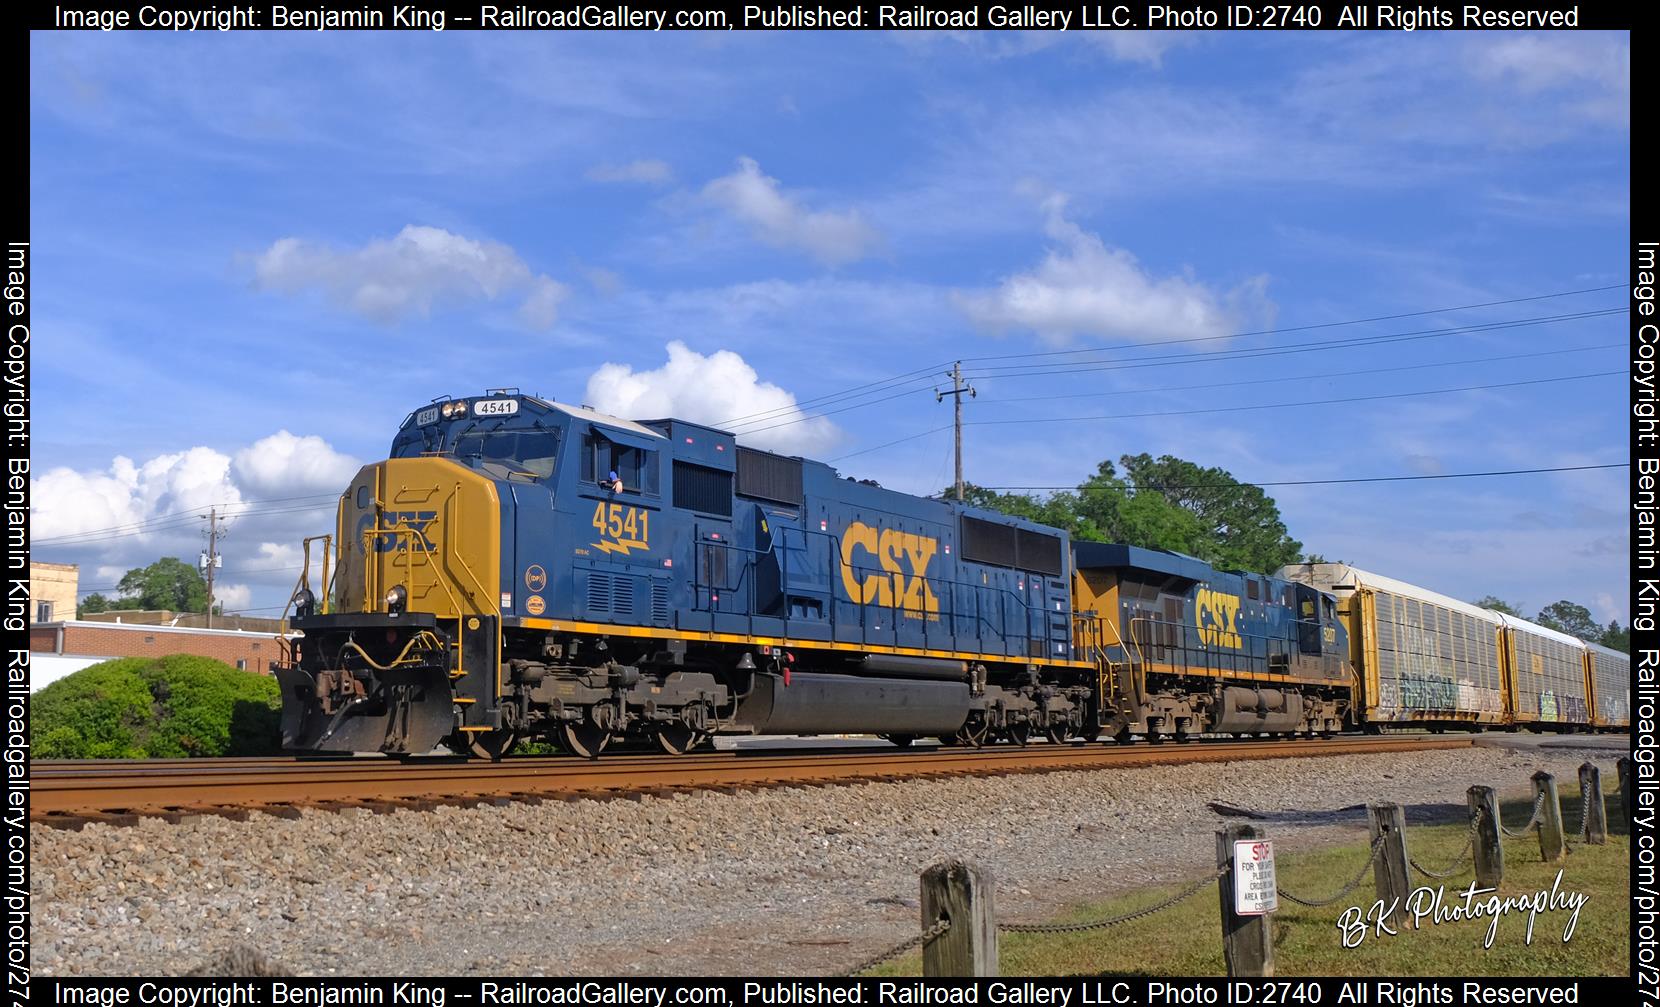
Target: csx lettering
x,y
396,529
894,552
1217,616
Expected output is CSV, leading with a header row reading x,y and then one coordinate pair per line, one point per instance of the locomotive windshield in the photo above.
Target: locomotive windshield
x,y
535,452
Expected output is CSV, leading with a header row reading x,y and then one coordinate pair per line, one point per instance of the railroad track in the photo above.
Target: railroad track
x,y
71,794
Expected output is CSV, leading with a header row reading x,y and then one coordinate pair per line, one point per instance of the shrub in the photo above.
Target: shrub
x,y
179,706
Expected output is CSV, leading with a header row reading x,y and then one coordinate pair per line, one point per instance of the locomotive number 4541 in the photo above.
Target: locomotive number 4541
x,y
621,529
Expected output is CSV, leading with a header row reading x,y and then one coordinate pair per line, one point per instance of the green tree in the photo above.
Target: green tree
x,y
93,604
1163,503
1617,637
168,583
1575,620
169,707
1240,525
1497,605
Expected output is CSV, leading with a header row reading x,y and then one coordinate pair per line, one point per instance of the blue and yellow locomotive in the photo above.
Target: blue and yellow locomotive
x,y
524,568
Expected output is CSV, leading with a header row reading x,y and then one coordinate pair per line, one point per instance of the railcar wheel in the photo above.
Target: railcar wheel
x,y
900,740
492,746
674,739
1019,733
584,738
1058,734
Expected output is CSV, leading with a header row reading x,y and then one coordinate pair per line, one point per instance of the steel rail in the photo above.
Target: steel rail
x,y
181,786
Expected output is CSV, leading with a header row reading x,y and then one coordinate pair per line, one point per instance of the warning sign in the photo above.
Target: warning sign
x,y
1254,890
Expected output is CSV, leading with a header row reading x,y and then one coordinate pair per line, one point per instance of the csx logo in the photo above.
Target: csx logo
x,y
903,559
1217,616
396,529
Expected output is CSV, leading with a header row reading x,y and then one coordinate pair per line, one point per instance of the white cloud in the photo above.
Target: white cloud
x,y
1146,47
130,514
232,597
387,280
279,554
1594,70
1085,287
289,465
713,389
780,220
128,497
646,172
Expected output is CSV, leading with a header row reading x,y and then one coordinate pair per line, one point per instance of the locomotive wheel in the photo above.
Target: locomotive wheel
x,y
949,740
1058,734
974,732
492,746
583,738
1019,733
900,740
675,739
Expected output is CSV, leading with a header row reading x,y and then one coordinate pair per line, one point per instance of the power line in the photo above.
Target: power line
x,y
1161,487
164,523
889,444
858,391
1322,325
1225,409
1308,377
1083,366
1304,402
1214,356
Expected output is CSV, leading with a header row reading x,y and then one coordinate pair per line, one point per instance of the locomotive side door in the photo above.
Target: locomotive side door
x,y
1308,620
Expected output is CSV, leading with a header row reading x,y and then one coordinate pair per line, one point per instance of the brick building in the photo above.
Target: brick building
x,y
185,620
62,647
52,590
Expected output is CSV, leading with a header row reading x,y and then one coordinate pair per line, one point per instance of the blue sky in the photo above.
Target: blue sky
x,y
254,254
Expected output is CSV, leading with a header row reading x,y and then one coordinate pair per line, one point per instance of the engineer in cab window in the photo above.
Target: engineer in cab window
x,y
613,482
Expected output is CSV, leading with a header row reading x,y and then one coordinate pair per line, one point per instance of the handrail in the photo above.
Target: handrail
x,y
1188,641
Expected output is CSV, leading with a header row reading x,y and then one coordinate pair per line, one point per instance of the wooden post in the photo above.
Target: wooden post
x,y
1394,883
1551,848
963,894
1489,852
1247,941
1595,826
1625,788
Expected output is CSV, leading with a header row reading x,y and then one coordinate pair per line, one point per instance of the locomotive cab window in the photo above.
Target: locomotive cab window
x,y
636,467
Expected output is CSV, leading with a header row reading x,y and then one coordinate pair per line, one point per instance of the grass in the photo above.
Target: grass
x,y
1185,940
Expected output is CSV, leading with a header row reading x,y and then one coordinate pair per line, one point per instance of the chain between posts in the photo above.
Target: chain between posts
x,y
1457,866
1112,921
928,936
1532,822
1377,850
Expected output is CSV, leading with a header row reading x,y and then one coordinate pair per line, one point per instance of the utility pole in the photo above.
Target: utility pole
x,y
210,559
958,388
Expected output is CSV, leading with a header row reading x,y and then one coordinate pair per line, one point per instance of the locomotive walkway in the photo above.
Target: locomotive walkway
x,y
71,794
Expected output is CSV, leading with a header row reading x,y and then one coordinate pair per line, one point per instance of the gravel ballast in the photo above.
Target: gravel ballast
x,y
786,882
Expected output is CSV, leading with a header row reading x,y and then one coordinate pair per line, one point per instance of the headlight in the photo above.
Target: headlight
x,y
460,408
447,410
396,599
304,601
